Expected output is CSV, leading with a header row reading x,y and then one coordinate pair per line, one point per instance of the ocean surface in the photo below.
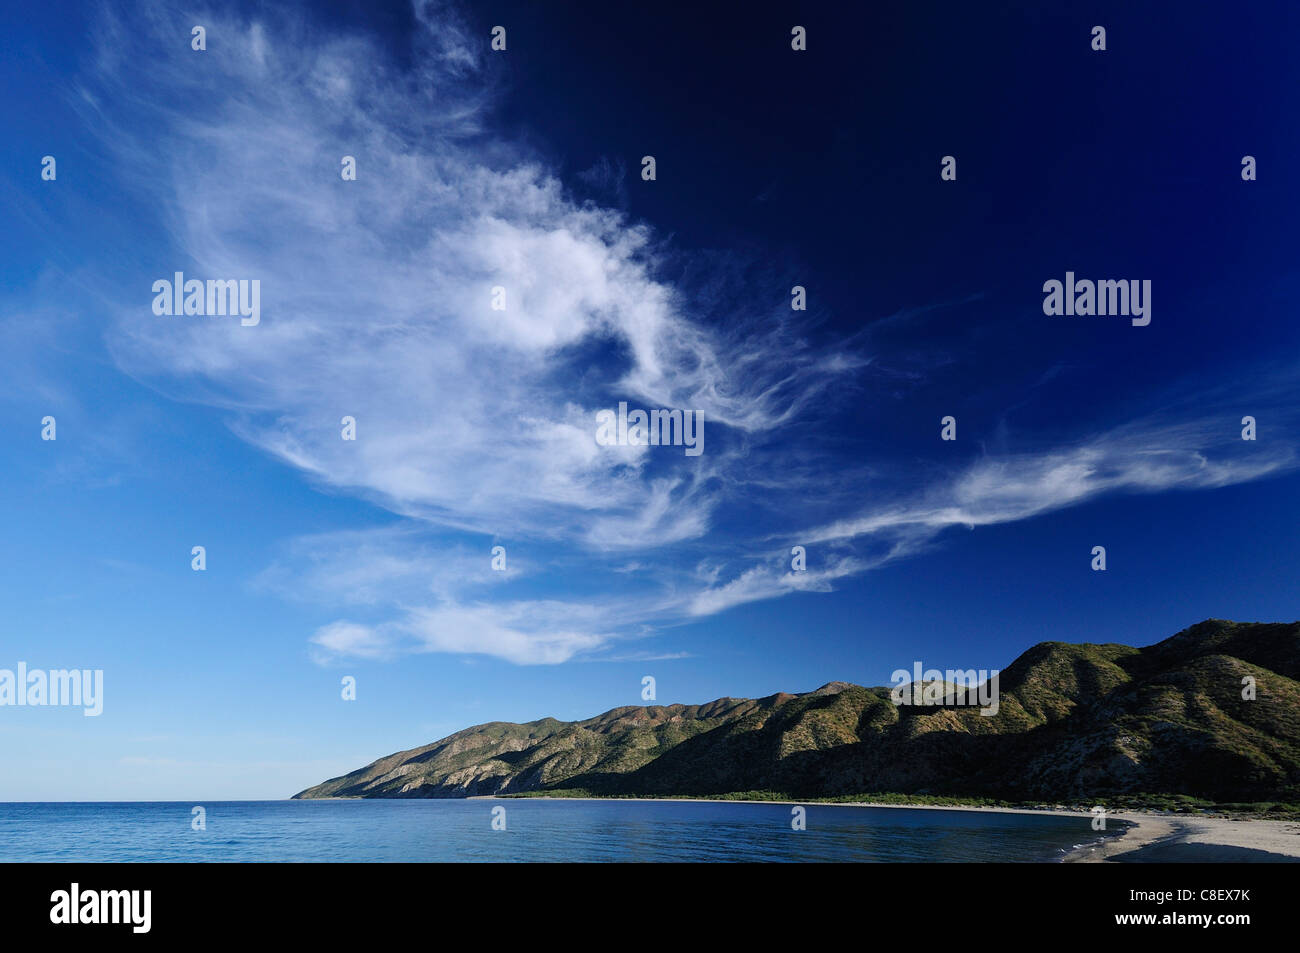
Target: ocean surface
x,y
536,830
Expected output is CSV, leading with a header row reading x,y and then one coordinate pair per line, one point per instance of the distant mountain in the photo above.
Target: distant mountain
x,y
1074,722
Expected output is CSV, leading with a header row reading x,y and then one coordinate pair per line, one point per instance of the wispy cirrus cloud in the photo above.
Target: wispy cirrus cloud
x,y
474,422
1146,456
378,291
525,633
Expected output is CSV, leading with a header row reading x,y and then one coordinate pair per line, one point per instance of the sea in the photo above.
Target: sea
x,y
526,830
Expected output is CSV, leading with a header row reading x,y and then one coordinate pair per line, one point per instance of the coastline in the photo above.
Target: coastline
x,y
1210,838
1147,837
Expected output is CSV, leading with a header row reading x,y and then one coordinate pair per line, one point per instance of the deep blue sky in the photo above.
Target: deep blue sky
x,y
522,168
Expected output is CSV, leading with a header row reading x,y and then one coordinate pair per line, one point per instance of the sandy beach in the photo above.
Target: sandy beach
x,y
1173,838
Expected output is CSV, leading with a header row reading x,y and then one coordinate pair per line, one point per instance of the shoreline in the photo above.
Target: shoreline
x,y
1209,838
1147,837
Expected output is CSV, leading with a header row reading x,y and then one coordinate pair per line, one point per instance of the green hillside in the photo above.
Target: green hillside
x,y
1075,722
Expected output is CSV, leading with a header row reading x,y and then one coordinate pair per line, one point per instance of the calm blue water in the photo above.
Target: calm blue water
x,y
535,831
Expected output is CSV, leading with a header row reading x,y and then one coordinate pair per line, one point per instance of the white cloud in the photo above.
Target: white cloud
x,y
530,633
376,304
376,293
349,640
769,582
1143,457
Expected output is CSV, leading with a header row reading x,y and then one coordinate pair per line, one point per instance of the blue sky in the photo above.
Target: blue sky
x,y
476,427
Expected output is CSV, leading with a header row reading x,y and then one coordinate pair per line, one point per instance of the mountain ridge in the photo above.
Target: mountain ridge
x,y
1075,720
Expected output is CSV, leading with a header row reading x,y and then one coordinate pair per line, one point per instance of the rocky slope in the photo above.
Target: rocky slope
x,y
1075,721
